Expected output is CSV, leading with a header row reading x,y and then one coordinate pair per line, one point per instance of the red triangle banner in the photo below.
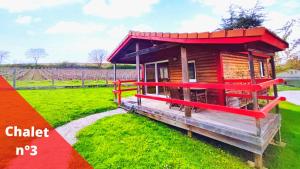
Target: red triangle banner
x,y
27,140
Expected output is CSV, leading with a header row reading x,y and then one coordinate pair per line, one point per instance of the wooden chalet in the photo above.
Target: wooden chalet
x,y
215,84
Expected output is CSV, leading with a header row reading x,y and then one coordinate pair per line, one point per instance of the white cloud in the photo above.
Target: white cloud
x,y
30,32
291,4
27,19
276,20
200,23
117,32
30,5
220,7
142,27
116,9
71,27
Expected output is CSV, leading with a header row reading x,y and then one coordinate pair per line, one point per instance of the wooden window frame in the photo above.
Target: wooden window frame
x,y
193,80
262,68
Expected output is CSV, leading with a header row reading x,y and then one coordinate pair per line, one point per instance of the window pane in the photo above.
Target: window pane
x,y
150,77
192,70
262,68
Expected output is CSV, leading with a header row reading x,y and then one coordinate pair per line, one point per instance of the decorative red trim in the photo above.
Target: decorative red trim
x,y
252,35
245,80
124,90
272,104
124,81
122,44
269,83
257,54
247,87
220,78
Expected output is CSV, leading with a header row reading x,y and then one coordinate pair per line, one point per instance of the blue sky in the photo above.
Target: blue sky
x,y
69,29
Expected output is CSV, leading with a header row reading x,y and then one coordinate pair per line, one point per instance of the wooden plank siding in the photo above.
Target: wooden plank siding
x,y
236,66
206,68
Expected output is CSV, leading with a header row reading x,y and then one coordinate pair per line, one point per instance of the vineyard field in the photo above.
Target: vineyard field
x,y
63,77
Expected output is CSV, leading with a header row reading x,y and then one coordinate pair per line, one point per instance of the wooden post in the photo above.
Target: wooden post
x,y
106,79
185,79
257,157
143,78
115,81
273,69
254,93
258,161
52,78
138,70
14,77
82,78
274,77
220,75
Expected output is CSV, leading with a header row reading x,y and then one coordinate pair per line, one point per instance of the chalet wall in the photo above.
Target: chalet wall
x,y
206,68
206,65
235,66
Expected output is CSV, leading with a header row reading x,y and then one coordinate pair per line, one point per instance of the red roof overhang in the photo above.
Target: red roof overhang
x,y
238,36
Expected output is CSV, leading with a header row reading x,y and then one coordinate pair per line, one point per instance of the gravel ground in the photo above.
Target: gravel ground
x,y
291,96
69,130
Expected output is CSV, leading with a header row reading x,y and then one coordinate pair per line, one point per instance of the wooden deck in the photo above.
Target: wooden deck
x,y
236,130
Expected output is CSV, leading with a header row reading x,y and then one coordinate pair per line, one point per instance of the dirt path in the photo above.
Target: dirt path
x,y
291,96
69,130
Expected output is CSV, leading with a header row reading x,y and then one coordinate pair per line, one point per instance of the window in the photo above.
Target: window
x,y
163,73
262,68
192,71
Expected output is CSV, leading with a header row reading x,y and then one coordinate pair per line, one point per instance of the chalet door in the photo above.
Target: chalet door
x,y
156,72
162,76
150,77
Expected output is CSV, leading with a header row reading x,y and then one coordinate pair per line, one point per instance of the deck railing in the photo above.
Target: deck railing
x,y
263,84
118,88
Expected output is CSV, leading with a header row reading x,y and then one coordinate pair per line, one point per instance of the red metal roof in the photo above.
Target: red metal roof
x,y
236,36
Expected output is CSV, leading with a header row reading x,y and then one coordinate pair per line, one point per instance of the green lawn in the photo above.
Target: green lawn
x,y
59,106
285,87
288,157
132,141
42,83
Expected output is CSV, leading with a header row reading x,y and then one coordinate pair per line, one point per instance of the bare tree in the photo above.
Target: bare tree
x,y
3,55
293,52
97,56
36,54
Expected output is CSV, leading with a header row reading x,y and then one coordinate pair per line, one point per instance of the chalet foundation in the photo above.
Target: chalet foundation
x,y
213,84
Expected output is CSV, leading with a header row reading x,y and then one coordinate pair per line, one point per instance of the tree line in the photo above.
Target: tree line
x,y
97,56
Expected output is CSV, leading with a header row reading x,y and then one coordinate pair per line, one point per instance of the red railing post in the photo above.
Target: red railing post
x,y
118,89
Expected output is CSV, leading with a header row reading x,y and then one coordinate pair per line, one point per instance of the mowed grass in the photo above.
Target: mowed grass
x,y
43,83
132,141
285,88
287,157
59,106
